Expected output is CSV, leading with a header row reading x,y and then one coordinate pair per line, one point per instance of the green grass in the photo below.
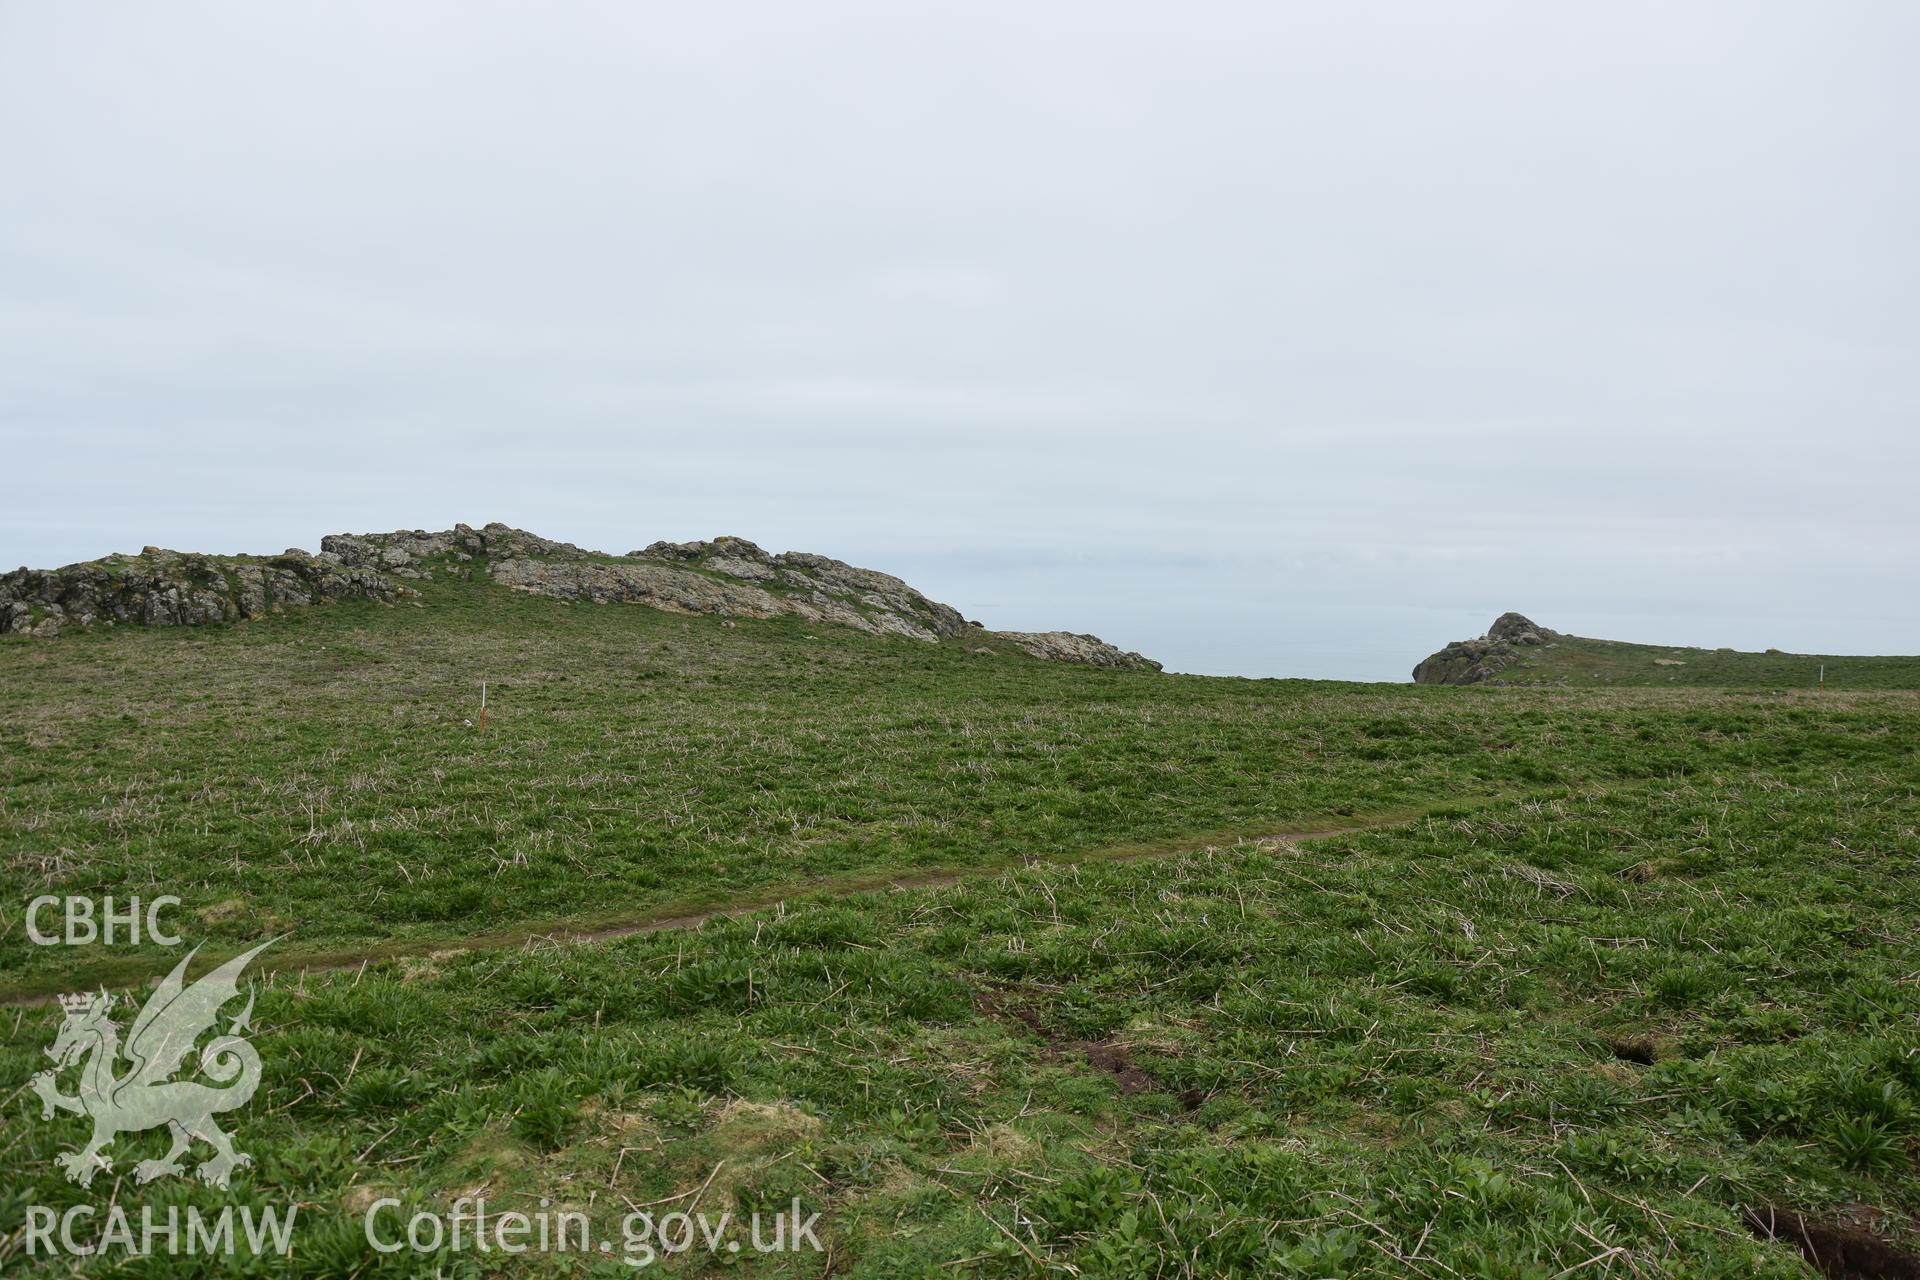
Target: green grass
x,y
1649,959
1520,1038
320,774
1582,663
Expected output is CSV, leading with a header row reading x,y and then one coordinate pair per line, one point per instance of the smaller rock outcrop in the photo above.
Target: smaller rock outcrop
x,y
1482,660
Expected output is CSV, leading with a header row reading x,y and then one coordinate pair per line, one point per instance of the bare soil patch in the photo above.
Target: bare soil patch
x,y
1838,1248
1110,1056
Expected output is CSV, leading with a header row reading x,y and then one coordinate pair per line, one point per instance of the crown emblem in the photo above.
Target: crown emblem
x,y
81,1002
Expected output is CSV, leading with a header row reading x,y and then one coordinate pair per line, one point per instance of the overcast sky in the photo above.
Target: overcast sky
x,y
1268,338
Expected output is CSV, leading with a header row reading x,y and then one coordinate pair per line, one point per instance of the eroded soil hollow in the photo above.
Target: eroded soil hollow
x,y
1838,1249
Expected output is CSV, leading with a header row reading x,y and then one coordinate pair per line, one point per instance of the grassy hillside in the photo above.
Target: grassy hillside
x,y
1609,973
1580,662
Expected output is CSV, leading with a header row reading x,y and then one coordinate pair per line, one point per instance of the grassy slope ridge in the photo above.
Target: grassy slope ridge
x,y
1582,662
1669,974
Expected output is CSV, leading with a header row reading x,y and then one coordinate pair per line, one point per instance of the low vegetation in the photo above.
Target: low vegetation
x,y
1597,982
1580,662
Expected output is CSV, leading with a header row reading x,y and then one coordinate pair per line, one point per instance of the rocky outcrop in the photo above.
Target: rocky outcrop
x,y
408,552
160,588
1517,628
1065,646
754,584
1481,661
725,577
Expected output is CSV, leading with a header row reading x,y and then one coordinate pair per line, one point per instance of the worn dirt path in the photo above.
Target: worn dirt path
x,y
127,972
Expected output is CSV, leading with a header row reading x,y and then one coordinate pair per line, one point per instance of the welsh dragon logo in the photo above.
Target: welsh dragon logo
x,y
145,1097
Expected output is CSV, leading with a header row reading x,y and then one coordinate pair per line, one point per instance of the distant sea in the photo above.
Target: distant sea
x,y
1211,621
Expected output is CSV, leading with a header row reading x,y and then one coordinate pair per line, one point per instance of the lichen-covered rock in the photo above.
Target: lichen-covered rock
x,y
1481,661
1065,646
406,549
159,588
1465,662
881,592
1516,628
661,586
732,577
